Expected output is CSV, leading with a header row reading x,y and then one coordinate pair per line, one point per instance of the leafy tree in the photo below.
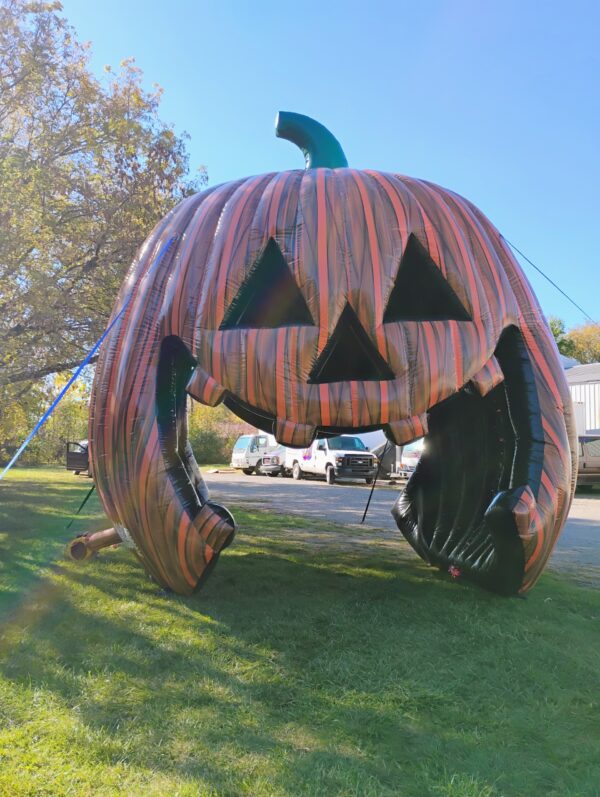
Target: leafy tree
x,y
584,342
213,431
19,410
558,329
21,406
86,170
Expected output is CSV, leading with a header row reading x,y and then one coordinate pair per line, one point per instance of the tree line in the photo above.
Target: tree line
x,y
582,342
87,167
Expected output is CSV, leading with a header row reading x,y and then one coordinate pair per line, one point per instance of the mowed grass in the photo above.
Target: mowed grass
x,y
301,669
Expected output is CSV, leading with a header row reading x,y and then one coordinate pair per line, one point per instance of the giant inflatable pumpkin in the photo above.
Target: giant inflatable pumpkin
x,y
330,300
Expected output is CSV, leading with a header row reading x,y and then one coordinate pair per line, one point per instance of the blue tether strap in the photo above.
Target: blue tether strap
x,y
77,373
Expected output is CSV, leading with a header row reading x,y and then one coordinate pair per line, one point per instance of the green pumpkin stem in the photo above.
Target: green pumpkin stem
x,y
320,147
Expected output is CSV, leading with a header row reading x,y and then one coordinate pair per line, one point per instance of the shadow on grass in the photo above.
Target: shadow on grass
x,y
299,669
323,674
33,516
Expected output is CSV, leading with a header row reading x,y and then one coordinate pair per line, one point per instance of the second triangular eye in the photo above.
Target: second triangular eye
x,y
421,292
269,296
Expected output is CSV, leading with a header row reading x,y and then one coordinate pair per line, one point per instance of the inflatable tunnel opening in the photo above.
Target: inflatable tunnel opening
x,y
477,448
175,366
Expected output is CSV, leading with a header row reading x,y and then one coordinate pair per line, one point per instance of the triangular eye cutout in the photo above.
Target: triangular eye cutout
x,y
269,296
421,293
349,355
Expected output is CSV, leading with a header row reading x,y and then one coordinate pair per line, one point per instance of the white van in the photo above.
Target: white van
x,y
409,459
588,475
340,457
257,453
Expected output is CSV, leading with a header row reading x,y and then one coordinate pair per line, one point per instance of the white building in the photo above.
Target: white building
x,y
584,384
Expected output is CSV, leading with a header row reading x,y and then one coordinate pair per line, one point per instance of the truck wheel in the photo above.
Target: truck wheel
x,y
258,468
369,480
330,475
248,471
296,471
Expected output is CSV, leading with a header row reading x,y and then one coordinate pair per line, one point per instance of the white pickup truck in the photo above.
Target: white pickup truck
x,y
341,457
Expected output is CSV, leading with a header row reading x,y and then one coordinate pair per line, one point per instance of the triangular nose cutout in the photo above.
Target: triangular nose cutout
x,y
421,292
349,355
269,296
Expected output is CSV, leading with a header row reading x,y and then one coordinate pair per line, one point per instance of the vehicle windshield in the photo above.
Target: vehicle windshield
x,y
346,444
416,447
241,443
591,446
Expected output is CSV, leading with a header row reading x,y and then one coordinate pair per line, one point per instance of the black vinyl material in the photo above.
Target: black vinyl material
x,y
175,366
457,507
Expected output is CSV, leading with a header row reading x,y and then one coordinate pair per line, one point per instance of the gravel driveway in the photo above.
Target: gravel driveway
x,y
578,548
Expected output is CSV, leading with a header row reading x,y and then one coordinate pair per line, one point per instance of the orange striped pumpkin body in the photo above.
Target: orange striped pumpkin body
x,y
342,234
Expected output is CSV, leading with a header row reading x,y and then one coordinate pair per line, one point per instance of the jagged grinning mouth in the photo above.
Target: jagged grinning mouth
x,y
514,364
481,451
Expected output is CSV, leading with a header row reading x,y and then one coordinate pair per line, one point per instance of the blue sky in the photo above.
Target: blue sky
x,y
496,100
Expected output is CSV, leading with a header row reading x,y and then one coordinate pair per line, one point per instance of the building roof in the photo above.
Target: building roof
x,y
568,362
581,374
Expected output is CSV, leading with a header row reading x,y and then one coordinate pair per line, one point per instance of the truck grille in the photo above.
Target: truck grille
x,y
358,461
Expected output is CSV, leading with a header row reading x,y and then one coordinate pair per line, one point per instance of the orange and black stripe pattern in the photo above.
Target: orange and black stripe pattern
x,y
342,234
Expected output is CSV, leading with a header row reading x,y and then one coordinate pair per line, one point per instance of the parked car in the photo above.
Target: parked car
x,y
340,457
273,462
258,453
411,453
588,474
77,458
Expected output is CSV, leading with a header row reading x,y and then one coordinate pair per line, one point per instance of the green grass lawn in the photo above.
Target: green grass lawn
x,y
317,661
